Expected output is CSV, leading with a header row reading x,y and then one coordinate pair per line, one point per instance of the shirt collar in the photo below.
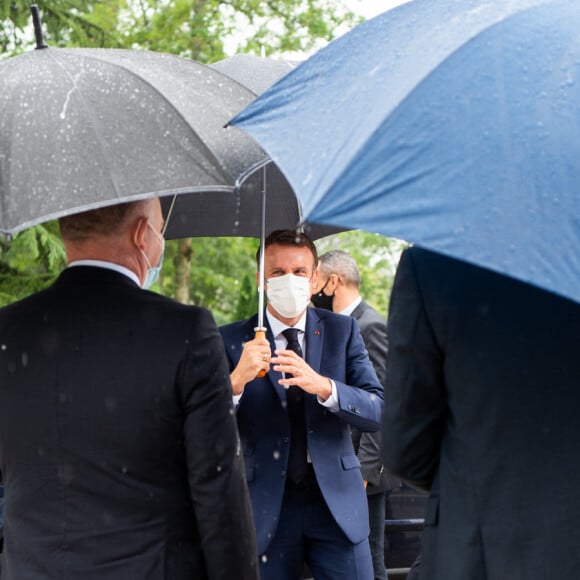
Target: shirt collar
x,y
350,308
109,266
278,327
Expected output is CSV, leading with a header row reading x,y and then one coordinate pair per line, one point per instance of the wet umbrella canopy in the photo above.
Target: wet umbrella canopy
x,y
254,72
84,128
223,214
239,212
453,124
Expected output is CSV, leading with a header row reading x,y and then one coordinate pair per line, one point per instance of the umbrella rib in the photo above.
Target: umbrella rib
x,y
105,203
54,56
251,170
177,112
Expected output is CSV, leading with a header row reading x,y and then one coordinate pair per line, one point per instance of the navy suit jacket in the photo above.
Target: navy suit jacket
x,y
481,407
335,349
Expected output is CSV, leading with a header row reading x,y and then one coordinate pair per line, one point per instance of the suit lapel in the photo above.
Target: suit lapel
x,y
314,337
359,310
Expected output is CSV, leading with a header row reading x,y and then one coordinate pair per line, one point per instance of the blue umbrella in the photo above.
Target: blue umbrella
x,y
453,124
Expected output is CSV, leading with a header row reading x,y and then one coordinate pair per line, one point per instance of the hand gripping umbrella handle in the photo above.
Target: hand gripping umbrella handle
x,y
260,330
260,333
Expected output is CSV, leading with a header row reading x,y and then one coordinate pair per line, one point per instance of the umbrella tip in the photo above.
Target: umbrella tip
x,y
37,27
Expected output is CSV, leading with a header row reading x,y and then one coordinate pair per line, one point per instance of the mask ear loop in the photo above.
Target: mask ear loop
x,y
338,282
137,245
169,212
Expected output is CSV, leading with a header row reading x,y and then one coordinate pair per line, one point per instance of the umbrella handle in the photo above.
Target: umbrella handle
x,y
260,333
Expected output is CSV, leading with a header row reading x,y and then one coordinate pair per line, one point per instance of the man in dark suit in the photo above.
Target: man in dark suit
x,y
1,521
338,289
481,409
304,477
118,444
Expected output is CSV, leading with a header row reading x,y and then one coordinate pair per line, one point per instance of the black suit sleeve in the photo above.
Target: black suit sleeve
x,y
369,457
374,333
415,407
215,465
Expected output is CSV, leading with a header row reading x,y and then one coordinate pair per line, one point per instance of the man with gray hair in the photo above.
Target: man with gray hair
x,y
338,290
119,449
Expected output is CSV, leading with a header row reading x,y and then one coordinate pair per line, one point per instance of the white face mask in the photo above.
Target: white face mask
x,y
289,295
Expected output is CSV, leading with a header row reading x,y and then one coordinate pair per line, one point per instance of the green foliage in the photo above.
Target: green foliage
x,y
304,24
248,298
64,23
30,262
377,258
189,28
222,275
196,29
199,29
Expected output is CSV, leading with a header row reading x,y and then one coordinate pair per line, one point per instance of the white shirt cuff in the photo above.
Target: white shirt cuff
x,y
332,401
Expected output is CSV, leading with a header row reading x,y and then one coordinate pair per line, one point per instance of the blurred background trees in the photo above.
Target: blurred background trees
x,y
218,273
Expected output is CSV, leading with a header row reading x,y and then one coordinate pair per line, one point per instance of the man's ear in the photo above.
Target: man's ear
x,y
138,230
334,282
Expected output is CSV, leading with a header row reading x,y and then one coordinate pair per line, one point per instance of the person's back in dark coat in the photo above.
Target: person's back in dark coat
x,y
481,408
119,450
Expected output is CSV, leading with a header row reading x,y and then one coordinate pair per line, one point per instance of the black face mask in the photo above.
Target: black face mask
x,y
322,300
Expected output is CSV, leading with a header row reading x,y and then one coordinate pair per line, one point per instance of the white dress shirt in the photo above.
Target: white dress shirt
x,y
350,308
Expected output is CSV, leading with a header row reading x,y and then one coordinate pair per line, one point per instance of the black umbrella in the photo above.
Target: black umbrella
x,y
86,128
256,73
262,190
238,212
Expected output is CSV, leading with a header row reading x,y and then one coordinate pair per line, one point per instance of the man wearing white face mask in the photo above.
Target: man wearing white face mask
x,y
305,482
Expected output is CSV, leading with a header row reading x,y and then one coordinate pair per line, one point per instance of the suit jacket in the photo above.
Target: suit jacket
x,y
335,349
1,519
481,408
373,328
118,444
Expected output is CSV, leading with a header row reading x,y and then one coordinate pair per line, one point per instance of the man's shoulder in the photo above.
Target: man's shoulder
x,y
166,303
364,312
329,318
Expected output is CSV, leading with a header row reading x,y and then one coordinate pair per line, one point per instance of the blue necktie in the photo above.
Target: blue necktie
x,y
297,464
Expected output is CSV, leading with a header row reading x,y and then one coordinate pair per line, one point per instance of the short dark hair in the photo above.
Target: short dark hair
x,y
103,221
289,238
